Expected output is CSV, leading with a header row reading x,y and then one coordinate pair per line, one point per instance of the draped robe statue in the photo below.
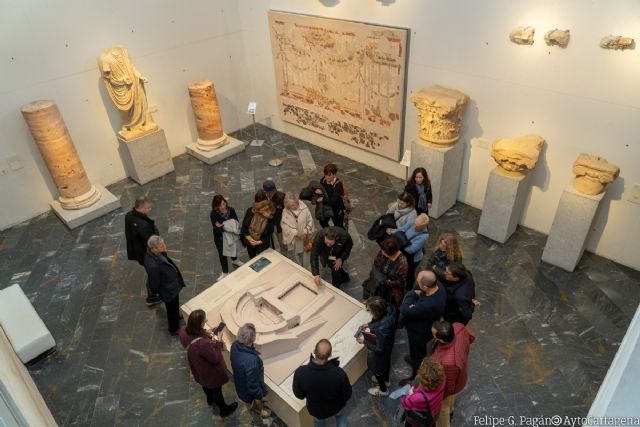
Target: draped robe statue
x,y
125,85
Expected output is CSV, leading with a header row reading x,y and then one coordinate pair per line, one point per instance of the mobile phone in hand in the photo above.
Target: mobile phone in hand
x,y
219,328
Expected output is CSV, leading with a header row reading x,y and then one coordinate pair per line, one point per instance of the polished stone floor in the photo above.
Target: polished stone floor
x,y
545,337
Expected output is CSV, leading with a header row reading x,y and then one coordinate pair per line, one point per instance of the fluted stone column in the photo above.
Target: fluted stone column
x,y
207,114
54,142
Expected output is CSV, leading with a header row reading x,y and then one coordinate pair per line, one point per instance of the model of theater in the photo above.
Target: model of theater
x,y
284,314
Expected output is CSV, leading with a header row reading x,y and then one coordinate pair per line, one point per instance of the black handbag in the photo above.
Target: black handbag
x,y
402,239
420,418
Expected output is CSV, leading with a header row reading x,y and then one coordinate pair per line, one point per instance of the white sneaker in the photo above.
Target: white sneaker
x,y
375,380
222,276
237,262
375,391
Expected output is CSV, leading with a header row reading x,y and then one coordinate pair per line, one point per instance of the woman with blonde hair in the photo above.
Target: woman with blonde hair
x,y
297,226
257,227
447,252
426,397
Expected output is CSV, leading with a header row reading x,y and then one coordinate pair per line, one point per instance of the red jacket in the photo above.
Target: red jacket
x,y
205,360
453,358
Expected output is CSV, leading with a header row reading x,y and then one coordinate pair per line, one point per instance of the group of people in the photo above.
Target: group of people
x,y
434,305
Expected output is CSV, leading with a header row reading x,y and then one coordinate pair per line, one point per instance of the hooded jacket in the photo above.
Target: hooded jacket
x,y
326,387
137,229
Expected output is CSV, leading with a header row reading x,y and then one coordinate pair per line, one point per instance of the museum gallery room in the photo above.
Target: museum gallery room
x,y
356,160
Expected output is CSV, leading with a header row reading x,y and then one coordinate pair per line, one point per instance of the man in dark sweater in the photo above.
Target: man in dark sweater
x,y
461,292
422,306
324,384
331,247
138,227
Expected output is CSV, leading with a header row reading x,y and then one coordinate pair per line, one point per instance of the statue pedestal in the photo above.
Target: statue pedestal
x,y
234,146
77,217
147,157
443,164
503,204
570,228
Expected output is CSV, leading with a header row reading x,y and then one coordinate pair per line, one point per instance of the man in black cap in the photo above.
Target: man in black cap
x,y
270,192
138,227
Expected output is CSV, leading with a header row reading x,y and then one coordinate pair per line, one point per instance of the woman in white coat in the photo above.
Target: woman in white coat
x,y
297,224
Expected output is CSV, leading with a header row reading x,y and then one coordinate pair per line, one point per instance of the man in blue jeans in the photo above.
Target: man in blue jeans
x,y
325,385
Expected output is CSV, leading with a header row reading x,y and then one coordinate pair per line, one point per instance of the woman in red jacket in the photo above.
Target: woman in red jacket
x,y
204,352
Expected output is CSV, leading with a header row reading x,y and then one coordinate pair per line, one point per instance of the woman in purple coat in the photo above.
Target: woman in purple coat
x,y
204,352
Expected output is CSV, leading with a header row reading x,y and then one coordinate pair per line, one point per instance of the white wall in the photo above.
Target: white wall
x,y
580,99
49,50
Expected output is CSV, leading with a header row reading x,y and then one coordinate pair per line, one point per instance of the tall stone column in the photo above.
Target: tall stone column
x,y
60,155
207,114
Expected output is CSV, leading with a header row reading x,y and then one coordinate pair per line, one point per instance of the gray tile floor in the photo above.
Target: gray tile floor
x,y
545,337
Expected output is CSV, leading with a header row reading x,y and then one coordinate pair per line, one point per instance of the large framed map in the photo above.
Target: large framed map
x,y
343,79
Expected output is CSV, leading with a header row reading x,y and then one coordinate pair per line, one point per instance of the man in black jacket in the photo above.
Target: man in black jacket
x,y
138,227
270,192
331,247
422,306
461,292
165,279
324,384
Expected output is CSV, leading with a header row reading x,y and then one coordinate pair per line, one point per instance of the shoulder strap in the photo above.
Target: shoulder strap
x,y
192,342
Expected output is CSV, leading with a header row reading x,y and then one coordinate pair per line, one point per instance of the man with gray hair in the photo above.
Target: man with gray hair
x,y
138,227
248,372
165,279
422,306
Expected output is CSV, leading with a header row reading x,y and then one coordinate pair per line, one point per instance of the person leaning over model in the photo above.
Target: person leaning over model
x,y
324,384
138,227
427,395
257,227
165,279
378,336
248,373
419,187
221,212
447,252
335,191
452,343
204,354
331,247
422,306
297,227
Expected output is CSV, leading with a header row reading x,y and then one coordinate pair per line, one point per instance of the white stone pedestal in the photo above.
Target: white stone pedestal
x,y
147,158
443,164
503,204
77,217
570,228
234,146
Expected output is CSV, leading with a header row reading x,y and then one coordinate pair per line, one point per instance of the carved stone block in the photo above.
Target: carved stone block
x,y
557,37
516,156
522,35
440,110
147,157
593,173
617,42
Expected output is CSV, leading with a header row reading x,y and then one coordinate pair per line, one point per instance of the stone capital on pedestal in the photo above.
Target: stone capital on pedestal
x,y
440,110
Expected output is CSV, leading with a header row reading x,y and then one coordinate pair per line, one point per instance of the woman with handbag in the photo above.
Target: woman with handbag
x,y
220,213
204,353
422,403
297,227
257,227
393,266
412,237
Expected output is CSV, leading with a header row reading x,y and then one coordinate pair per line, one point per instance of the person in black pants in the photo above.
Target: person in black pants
x,y
165,279
221,212
257,227
138,227
422,306
335,190
419,187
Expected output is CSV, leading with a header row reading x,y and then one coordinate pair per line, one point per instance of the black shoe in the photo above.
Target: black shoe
x,y
229,410
151,301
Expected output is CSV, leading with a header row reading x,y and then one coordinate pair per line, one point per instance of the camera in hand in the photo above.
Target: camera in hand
x,y
219,328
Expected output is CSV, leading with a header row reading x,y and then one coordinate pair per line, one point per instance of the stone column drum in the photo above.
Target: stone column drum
x,y
60,155
207,114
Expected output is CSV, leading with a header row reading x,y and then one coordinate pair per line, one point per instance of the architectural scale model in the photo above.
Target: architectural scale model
x,y
343,79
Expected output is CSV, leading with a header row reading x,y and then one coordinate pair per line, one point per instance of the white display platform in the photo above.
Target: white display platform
x,y
234,146
353,356
74,218
570,228
147,157
443,165
503,205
